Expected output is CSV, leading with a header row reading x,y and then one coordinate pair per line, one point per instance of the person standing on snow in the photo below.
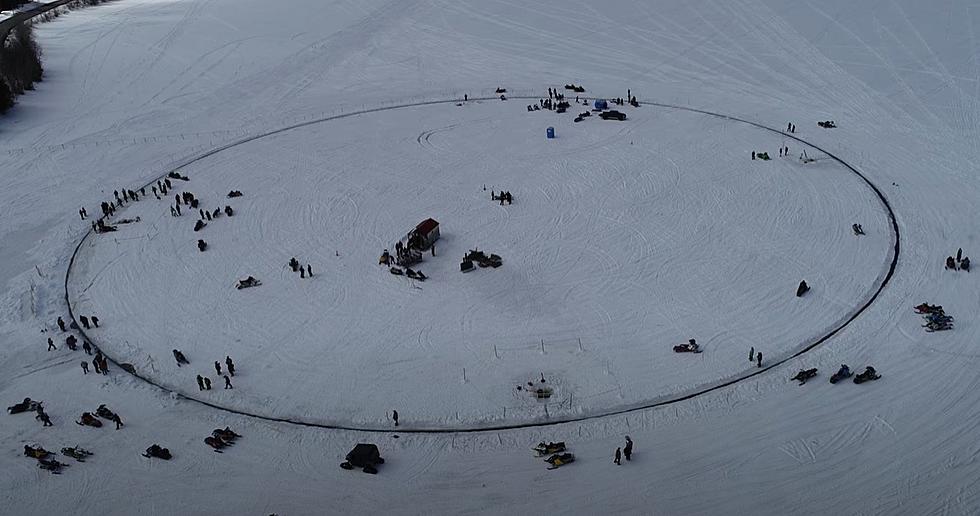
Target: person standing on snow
x,y
394,416
230,364
619,453
759,359
752,354
228,383
61,324
200,383
51,345
628,449
84,367
217,367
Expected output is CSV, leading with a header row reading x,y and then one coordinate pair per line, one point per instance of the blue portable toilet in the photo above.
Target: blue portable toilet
x,y
551,132
601,104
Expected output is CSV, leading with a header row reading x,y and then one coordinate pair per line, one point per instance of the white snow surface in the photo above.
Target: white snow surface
x,y
627,236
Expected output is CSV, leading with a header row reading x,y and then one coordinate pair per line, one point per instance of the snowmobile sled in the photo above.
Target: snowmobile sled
x,y
35,453
868,375
105,413
28,405
688,347
841,374
89,420
549,449
51,465
937,326
560,459
247,283
157,451
215,443
226,435
804,375
926,308
76,453
365,456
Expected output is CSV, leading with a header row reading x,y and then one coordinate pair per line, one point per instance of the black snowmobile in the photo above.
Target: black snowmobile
x,y
365,456
76,453
155,450
841,374
28,405
804,375
51,465
688,347
868,375
543,449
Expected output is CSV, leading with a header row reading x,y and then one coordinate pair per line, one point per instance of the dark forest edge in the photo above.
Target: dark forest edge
x,y
20,54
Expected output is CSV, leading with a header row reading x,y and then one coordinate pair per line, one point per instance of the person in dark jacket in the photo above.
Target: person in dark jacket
x,y
759,359
180,358
87,346
217,367
394,416
228,383
207,383
628,449
95,321
51,345
617,460
231,365
84,321
61,324
200,383
84,367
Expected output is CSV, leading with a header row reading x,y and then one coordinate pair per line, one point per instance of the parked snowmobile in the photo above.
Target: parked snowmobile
x,y
688,347
215,443
868,375
35,453
51,465
226,435
365,456
28,405
76,453
105,413
926,308
549,449
155,450
560,459
804,375
89,420
841,374
938,326
248,283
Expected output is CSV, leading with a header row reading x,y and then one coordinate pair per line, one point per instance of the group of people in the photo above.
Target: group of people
x,y
99,362
625,451
203,382
503,197
296,267
959,263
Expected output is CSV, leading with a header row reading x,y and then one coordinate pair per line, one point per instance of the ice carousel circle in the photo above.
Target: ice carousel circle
x,y
620,240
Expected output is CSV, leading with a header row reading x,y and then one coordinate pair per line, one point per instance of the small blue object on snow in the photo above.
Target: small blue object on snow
x,y
601,104
551,132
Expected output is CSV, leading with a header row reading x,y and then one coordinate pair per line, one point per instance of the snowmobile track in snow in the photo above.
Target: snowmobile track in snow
x,y
676,398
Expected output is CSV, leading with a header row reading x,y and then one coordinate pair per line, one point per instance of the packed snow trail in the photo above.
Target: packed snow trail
x,y
122,101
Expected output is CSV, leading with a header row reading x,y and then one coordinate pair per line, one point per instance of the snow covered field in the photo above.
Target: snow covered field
x,y
630,236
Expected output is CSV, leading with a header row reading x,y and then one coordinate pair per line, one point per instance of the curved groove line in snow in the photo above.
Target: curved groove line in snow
x,y
698,391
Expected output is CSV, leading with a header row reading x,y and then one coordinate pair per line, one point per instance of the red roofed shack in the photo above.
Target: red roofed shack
x,y
425,234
